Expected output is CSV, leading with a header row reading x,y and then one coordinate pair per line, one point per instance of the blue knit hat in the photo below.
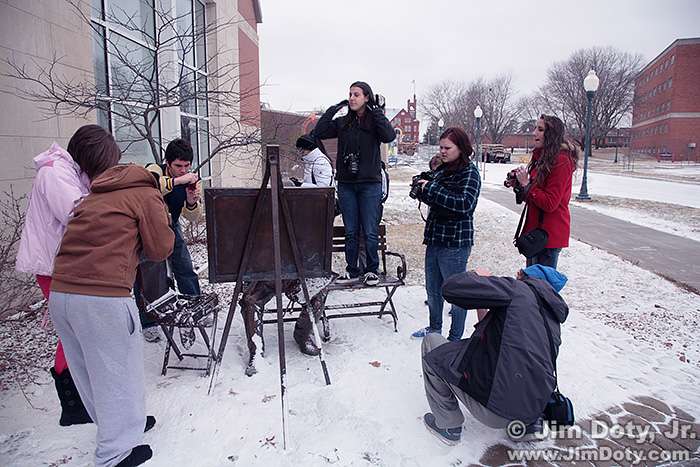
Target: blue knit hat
x,y
551,275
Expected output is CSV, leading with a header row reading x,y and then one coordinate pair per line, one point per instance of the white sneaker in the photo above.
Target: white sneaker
x,y
346,278
152,334
370,279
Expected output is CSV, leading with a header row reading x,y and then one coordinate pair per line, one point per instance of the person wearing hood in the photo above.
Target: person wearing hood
x,y
545,185
359,174
317,166
504,372
91,305
62,182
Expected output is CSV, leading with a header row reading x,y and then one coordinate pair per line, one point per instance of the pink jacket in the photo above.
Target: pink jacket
x,y
58,188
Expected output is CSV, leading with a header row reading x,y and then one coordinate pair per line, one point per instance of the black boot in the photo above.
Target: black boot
x,y
74,412
137,456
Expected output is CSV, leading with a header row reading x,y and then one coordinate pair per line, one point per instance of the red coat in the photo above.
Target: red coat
x,y
552,198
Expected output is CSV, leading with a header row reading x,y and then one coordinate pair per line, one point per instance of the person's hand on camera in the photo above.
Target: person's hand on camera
x,y
295,181
380,100
187,179
522,176
193,193
341,104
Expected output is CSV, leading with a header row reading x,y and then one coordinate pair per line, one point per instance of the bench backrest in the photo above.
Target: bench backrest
x,y
339,242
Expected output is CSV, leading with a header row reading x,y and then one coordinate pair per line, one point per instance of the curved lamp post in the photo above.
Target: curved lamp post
x,y
440,123
477,114
590,84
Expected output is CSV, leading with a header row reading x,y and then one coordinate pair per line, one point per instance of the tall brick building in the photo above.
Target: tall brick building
x,y
666,112
407,124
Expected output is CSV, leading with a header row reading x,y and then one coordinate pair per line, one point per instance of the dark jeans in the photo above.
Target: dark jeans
x,y
549,257
187,280
181,262
360,204
441,263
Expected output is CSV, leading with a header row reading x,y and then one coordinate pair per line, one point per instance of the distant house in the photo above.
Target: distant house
x,y
666,111
407,127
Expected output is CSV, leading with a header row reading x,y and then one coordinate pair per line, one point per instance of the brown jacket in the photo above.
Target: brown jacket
x,y
123,216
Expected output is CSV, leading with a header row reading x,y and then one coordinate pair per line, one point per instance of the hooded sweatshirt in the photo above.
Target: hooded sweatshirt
x,y
506,365
123,216
58,188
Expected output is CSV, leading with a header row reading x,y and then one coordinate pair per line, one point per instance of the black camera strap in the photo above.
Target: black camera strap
x,y
522,218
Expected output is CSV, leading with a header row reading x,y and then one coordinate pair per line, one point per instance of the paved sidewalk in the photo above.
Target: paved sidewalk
x,y
676,258
641,432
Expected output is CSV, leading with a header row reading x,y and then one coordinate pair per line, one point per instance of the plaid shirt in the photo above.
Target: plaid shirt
x,y
452,231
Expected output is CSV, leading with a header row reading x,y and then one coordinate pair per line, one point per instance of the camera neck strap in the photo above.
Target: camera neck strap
x,y
522,218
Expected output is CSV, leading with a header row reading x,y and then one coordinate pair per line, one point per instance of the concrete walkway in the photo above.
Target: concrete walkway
x,y
676,258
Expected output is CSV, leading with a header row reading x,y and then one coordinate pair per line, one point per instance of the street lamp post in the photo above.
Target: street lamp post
x,y
590,84
478,113
617,143
440,123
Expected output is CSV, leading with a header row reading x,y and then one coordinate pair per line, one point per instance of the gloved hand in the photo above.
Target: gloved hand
x,y
340,105
295,181
380,100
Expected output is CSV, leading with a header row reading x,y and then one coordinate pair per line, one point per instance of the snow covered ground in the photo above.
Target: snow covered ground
x,y
629,333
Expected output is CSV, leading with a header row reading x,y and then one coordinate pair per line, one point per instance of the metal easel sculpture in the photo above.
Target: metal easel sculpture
x,y
279,202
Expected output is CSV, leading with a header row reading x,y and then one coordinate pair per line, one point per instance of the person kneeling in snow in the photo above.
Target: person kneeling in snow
x,y
504,371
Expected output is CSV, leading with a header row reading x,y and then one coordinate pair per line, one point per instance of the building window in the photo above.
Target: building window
x,y
665,85
124,81
670,82
666,128
666,65
672,56
668,106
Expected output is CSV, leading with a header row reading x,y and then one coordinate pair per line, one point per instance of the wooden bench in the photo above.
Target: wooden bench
x,y
388,284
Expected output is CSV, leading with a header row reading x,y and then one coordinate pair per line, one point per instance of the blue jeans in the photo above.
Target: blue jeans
x,y
360,204
440,264
549,257
187,280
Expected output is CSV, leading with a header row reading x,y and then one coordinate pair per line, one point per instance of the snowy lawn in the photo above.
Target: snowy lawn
x,y
629,333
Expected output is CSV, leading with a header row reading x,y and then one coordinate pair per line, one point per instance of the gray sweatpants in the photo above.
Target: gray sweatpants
x,y
102,341
444,397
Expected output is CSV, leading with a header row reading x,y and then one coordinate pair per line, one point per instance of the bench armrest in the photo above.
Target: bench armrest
x,y
400,270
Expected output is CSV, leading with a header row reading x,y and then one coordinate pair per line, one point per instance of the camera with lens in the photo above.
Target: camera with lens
x,y
415,186
511,179
353,163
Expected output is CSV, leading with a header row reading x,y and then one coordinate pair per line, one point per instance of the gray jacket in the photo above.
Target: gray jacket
x,y
506,364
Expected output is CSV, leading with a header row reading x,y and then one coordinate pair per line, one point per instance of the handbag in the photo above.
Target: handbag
x,y
532,243
559,411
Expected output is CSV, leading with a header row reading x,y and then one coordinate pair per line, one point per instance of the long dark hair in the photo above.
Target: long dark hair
x,y
554,144
366,120
94,149
461,140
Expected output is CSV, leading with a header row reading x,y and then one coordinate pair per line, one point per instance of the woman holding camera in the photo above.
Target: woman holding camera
x,y
359,173
452,195
545,184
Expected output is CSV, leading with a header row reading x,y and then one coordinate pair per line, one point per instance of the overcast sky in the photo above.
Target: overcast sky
x,y
312,50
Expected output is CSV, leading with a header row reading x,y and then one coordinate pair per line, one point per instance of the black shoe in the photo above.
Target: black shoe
x,y
308,347
137,456
73,412
150,422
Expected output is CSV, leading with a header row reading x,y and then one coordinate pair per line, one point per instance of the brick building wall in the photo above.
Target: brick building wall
x,y
666,113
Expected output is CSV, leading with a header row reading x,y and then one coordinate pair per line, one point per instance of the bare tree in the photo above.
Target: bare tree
x,y
563,89
455,102
146,81
17,291
501,111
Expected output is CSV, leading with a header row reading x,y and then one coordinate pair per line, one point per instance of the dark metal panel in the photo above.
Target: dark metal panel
x,y
229,216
